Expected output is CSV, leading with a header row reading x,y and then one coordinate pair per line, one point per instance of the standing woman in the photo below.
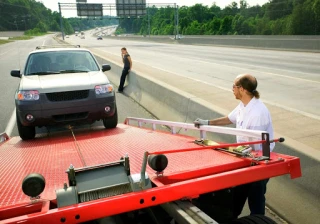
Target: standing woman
x,y
127,65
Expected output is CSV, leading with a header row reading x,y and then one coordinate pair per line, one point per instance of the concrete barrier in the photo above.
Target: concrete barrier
x,y
294,43
297,201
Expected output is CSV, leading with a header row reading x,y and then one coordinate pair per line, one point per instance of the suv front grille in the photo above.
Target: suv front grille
x,y
70,117
67,96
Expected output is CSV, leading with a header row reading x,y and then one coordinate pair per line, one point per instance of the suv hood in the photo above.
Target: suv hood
x,y
63,82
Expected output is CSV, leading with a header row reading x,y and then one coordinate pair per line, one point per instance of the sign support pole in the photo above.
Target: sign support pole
x,y
61,23
148,8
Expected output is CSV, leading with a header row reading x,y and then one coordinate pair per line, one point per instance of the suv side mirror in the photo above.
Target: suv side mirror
x,y
106,68
16,73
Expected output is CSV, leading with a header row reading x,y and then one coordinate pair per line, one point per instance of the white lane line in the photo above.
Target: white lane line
x,y
255,67
247,69
5,52
228,89
11,123
269,73
223,88
43,42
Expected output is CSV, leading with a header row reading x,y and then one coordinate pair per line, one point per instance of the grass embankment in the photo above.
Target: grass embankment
x,y
24,37
4,41
21,38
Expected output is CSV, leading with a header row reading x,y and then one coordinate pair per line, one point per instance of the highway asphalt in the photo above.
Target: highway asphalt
x,y
287,79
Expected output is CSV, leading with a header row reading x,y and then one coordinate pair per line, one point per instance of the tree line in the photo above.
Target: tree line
x,y
277,17
34,18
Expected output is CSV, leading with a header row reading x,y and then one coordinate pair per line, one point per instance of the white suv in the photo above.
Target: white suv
x,y
63,86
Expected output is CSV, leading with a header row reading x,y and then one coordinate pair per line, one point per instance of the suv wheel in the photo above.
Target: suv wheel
x,y
25,132
111,122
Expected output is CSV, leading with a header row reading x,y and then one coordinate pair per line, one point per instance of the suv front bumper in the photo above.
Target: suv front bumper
x,y
46,112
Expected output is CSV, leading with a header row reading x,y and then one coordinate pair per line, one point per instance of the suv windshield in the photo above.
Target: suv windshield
x,y
57,62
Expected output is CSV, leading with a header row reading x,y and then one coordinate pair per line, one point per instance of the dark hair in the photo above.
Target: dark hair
x,y
249,83
123,48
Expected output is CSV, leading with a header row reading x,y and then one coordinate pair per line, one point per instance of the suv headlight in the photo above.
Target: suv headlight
x,y
101,89
28,95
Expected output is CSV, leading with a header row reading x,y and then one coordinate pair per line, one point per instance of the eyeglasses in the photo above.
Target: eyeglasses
x,y
234,86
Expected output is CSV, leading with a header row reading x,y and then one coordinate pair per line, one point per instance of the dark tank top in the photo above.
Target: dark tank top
x,y
126,61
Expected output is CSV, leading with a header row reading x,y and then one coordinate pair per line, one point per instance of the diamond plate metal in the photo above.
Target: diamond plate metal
x,y
51,156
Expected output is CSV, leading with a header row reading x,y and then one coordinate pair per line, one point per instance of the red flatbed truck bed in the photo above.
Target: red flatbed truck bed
x,y
188,174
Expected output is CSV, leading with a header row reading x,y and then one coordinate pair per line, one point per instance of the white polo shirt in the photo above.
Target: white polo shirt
x,y
253,116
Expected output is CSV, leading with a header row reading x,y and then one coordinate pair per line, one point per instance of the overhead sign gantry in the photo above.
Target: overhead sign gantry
x,y
130,8
123,8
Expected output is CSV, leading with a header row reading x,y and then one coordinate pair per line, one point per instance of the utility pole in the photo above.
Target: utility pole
x,y
61,23
15,21
25,23
148,20
177,20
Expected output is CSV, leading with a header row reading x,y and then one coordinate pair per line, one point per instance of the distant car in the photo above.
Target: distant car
x,y
63,86
99,38
67,36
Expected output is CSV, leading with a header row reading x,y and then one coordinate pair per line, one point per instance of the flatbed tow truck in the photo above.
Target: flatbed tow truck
x,y
126,174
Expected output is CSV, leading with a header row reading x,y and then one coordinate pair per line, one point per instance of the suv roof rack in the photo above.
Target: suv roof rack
x,y
57,46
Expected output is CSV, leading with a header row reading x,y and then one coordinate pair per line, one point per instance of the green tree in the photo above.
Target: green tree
x,y
232,9
316,11
193,29
304,19
279,8
277,17
226,25
42,27
214,26
215,10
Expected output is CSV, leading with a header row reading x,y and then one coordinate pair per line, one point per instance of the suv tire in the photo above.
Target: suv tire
x,y
111,122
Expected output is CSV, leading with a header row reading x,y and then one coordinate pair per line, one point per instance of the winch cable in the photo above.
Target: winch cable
x,y
77,146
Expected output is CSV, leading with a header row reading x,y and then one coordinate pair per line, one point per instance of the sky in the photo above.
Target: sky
x,y
53,5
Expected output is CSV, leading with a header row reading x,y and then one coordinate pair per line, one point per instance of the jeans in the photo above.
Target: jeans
x,y
256,198
255,193
125,72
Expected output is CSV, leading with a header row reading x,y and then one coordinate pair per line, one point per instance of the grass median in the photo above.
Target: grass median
x,y
21,38
4,41
24,37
